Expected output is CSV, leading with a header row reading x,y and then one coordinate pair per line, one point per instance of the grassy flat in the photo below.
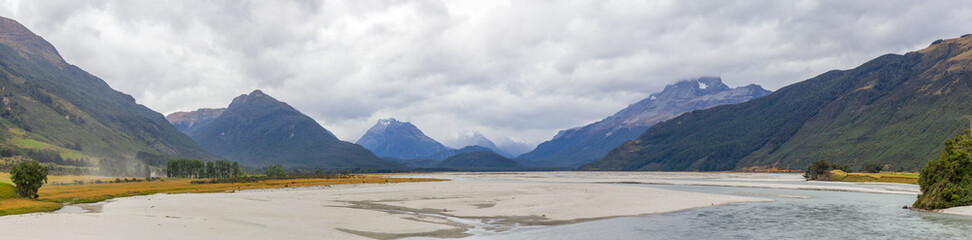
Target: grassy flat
x,y
889,177
21,206
7,191
52,197
61,179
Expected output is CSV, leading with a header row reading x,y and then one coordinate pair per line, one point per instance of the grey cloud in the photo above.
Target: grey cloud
x,y
512,70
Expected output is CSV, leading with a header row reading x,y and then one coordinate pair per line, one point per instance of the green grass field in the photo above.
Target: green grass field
x,y
8,191
30,143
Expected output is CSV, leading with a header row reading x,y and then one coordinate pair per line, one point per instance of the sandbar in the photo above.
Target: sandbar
x,y
358,211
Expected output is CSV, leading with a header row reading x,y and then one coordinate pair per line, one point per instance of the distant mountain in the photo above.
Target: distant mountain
x,y
475,138
258,130
442,155
432,161
392,138
894,110
416,162
514,147
479,161
50,105
578,146
186,122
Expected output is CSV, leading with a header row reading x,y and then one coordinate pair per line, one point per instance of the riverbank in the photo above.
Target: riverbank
x,y
455,208
53,197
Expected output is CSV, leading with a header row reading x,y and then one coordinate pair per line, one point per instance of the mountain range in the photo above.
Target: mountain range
x,y
475,138
391,138
50,105
257,130
402,140
187,122
578,146
894,110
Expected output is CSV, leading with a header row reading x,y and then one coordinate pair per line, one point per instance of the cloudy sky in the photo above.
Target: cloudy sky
x,y
519,70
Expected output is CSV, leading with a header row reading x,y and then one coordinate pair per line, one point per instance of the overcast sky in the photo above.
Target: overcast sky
x,y
510,69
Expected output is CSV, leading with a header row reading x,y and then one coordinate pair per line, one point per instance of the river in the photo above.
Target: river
x,y
793,214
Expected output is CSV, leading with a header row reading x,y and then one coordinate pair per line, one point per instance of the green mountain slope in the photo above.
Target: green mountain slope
x,y
894,110
258,130
50,104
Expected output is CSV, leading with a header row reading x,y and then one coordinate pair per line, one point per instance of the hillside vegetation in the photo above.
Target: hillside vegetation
x,y
947,182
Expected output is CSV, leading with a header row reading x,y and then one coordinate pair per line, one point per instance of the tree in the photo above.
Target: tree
x,y
947,182
210,170
192,168
818,170
236,170
872,168
276,170
29,176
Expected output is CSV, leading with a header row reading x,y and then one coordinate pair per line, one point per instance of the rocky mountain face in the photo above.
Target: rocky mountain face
x,y
18,37
578,146
50,105
393,138
895,110
187,122
258,130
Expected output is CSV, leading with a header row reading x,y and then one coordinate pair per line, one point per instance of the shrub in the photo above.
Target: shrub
x,y
29,176
947,182
841,167
818,170
872,168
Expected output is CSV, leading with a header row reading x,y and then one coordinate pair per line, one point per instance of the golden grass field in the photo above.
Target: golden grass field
x,y
66,179
52,197
838,175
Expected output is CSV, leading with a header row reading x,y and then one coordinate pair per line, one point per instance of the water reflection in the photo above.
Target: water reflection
x,y
795,214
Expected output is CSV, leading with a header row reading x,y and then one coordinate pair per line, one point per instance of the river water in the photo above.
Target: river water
x,y
793,214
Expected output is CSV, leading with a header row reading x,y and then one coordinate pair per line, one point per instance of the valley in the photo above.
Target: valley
x,y
483,205
485,120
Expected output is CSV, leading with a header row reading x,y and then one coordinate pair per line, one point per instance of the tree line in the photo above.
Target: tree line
x,y
192,168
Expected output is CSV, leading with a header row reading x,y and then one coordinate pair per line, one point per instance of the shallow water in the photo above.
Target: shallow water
x,y
794,214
